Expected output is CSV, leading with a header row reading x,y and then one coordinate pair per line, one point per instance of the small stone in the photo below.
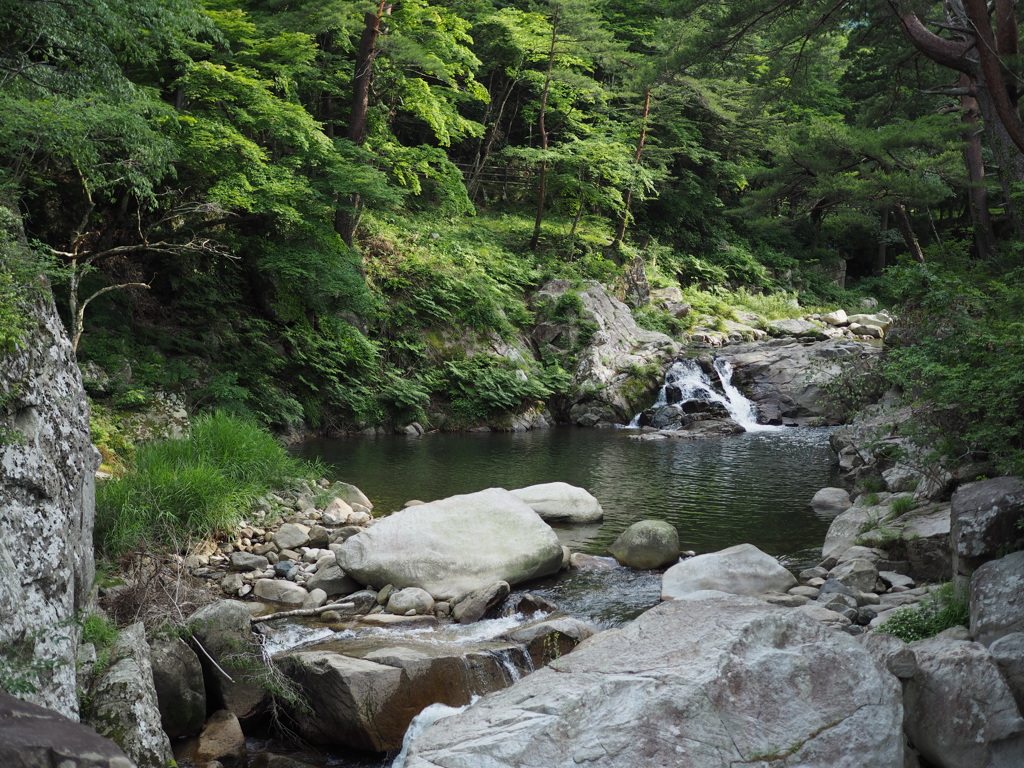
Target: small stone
x,y
280,591
315,599
247,561
284,568
291,535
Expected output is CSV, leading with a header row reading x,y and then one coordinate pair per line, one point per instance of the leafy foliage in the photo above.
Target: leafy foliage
x,y
943,609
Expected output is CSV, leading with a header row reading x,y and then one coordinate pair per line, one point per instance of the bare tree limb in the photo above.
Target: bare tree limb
x,y
302,612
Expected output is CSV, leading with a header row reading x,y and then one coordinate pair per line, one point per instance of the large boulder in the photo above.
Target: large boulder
x,y
124,704
647,544
367,699
454,546
561,503
925,539
231,657
960,712
34,737
985,518
997,598
790,379
831,501
47,511
740,570
702,682
180,691
847,527
609,391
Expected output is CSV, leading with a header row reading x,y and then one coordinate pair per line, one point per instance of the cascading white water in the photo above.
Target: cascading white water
x,y
421,722
693,384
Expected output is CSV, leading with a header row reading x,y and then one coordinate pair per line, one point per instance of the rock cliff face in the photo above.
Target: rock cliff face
x,y
47,466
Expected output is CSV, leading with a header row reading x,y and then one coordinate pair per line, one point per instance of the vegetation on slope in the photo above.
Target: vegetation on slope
x,y
325,214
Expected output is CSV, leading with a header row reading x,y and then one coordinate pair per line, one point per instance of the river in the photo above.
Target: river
x,y
717,492
754,487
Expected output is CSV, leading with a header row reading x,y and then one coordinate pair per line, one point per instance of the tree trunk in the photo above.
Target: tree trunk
x,y
345,221
543,191
883,245
484,154
977,56
903,222
624,221
977,193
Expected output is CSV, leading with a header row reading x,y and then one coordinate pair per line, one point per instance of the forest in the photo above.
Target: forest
x,y
306,212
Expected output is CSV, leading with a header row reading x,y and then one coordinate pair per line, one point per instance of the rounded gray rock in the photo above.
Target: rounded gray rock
x,y
647,544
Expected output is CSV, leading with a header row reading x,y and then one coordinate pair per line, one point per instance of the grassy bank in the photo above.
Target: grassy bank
x,y
180,490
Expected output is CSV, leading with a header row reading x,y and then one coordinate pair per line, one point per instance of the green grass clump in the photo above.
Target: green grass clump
x,y
901,505
944,609
187,489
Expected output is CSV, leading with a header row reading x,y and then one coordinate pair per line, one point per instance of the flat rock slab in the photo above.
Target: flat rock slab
x,y
740,570
704,682
561,503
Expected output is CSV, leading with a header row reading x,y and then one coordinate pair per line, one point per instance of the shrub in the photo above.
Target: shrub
x,y
944,609
191,488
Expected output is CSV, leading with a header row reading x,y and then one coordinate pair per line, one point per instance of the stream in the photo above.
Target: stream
x,y
717,492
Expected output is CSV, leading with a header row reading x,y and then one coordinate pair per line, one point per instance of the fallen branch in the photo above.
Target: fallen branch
x,y
212,660
302,612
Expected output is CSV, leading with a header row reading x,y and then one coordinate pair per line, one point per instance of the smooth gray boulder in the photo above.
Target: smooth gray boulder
x,y
740,570
646,544
291,536
985,516
221,740
960,712
858,573
831,500
454,546
280,591
124,704
477,603
561,503
997,598
402,601
708,681
847,527
247,561
35,737
180,691
332,580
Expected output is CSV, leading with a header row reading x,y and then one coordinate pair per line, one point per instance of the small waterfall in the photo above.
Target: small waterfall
x,y
686,381
515,670
421,722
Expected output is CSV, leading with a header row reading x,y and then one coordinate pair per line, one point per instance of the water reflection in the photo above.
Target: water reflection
x,y
717,492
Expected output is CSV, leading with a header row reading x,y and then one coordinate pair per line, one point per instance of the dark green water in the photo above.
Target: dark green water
x,y
717,492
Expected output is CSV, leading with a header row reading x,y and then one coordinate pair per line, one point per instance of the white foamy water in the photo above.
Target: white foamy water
x,y
421,722
283,635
